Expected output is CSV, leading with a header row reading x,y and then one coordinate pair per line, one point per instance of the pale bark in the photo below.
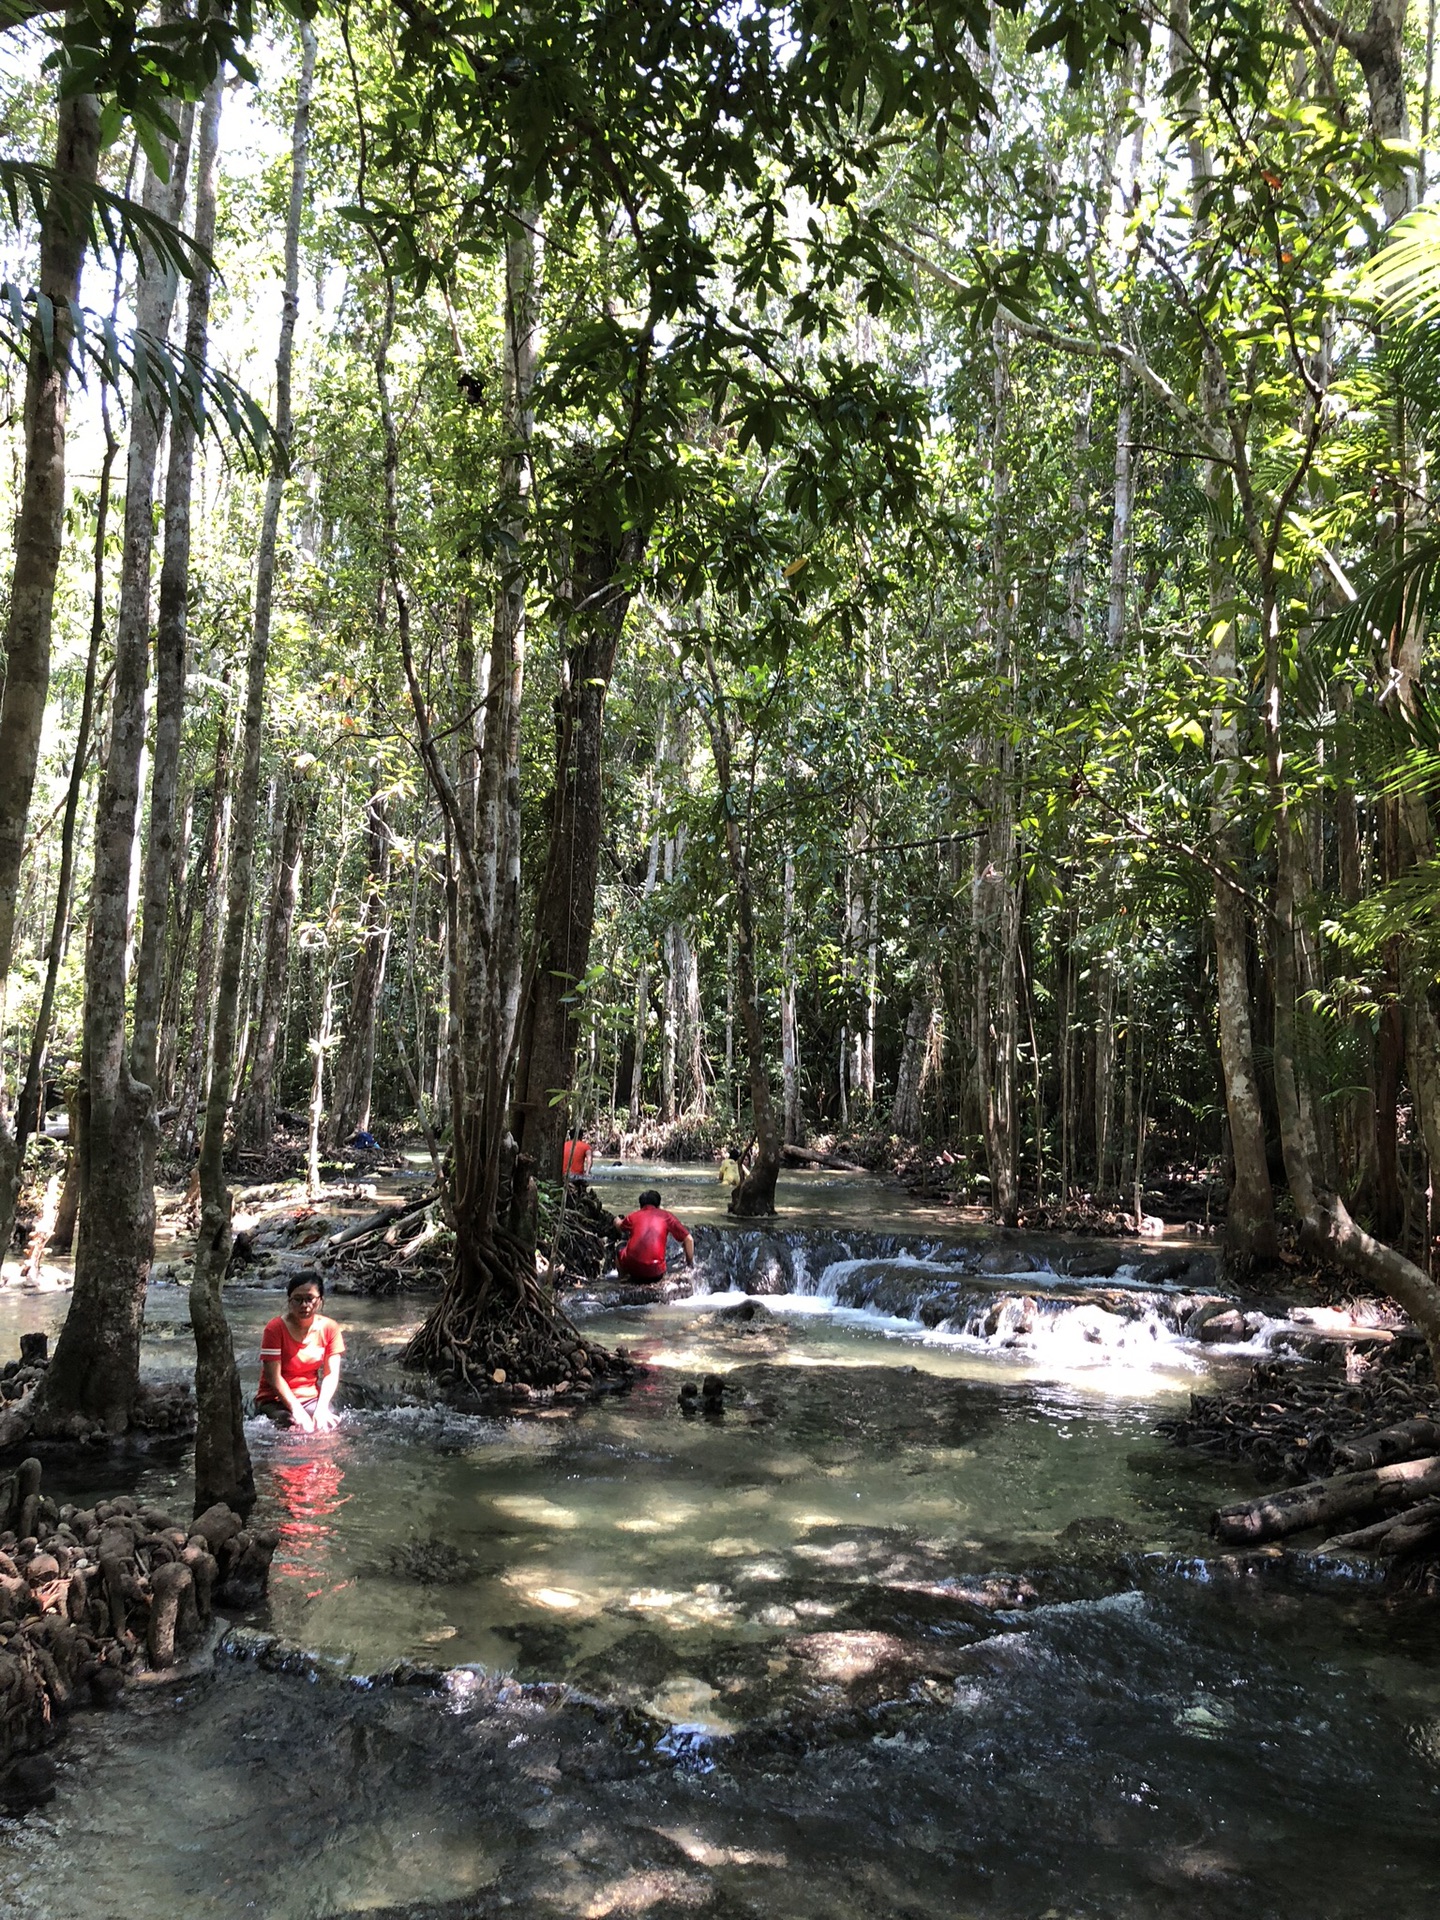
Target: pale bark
x,y
255,1122
210,881
162,853
755,1195
355,1057
38,532
222,1458
789,1029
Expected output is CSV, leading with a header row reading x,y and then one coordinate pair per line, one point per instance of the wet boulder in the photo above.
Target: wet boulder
x,y
1001,1260
1216,1324
1094,1264
770,1268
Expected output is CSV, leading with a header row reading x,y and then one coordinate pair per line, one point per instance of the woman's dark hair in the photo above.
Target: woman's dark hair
x,y
298,1280
650,1197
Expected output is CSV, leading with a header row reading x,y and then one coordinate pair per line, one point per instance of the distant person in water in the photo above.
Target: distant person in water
x,y
650,1229
731,1172
300,1360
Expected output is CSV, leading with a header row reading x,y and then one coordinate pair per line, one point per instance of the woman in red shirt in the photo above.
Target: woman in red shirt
x,y
300,1359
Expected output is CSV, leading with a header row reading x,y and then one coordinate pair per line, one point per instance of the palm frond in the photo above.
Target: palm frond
x,y
114,221
172,383
1403,280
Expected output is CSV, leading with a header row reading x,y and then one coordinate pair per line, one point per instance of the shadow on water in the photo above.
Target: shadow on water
x,y
888,1624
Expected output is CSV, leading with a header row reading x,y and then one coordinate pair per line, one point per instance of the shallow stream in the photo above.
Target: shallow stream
x,y
914,1619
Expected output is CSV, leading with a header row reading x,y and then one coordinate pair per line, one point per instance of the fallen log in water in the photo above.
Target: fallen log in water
x,y
386,1218
1407,1440
809,1157
1321,1502
1403,1532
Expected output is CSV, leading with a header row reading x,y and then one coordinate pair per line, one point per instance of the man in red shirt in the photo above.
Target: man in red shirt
x,y
651,1229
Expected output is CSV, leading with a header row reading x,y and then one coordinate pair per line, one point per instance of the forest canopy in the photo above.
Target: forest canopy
x,y
845,578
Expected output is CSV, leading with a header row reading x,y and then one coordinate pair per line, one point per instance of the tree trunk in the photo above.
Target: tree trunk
x,y
598,601
789,1029
754,1198
908,1114
95,1374
28,1108
256,1121
355,1060
172,639
210,874
38,533
1250,1233
494,1324
222,1459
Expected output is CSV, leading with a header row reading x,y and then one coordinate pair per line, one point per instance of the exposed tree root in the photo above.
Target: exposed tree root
x,y
498,1333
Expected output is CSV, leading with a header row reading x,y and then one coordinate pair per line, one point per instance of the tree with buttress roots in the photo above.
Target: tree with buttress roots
x,y
668,355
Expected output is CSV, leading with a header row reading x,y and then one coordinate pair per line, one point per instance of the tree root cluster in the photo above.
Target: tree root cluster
x,y
583,1246
497,1337
161,1411
395,1250
91,1596
1296,1423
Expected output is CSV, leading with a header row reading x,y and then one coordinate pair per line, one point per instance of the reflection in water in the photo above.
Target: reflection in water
x,y
308,1494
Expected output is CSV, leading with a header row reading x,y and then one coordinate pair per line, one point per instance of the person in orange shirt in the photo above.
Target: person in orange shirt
x,y
579,1154
300,1359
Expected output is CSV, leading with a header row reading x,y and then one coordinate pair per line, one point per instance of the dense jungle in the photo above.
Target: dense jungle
x,y
801,628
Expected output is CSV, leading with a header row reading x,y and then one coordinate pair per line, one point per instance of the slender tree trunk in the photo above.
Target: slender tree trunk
x,y
256,1121
789,1027
355,1058
755,1195
172,637
642,997
95,1373
222,1459
211,871
39,530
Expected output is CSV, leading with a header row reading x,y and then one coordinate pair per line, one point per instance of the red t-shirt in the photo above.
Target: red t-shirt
x,y
651,1230
302,1362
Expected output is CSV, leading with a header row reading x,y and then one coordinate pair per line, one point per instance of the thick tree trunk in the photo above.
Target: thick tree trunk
x,y
495,1324
28,1108
256,1121
1250,1232
222,1458
39,529
565,914
95,1374
908,1114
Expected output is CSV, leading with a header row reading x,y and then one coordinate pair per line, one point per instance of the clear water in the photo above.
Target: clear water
x,y
912,1628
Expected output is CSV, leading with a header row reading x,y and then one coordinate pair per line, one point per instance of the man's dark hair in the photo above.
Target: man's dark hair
x,y
650,1197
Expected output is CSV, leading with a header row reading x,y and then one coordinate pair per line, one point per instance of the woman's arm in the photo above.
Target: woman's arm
x,y
275,1381
329,1380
